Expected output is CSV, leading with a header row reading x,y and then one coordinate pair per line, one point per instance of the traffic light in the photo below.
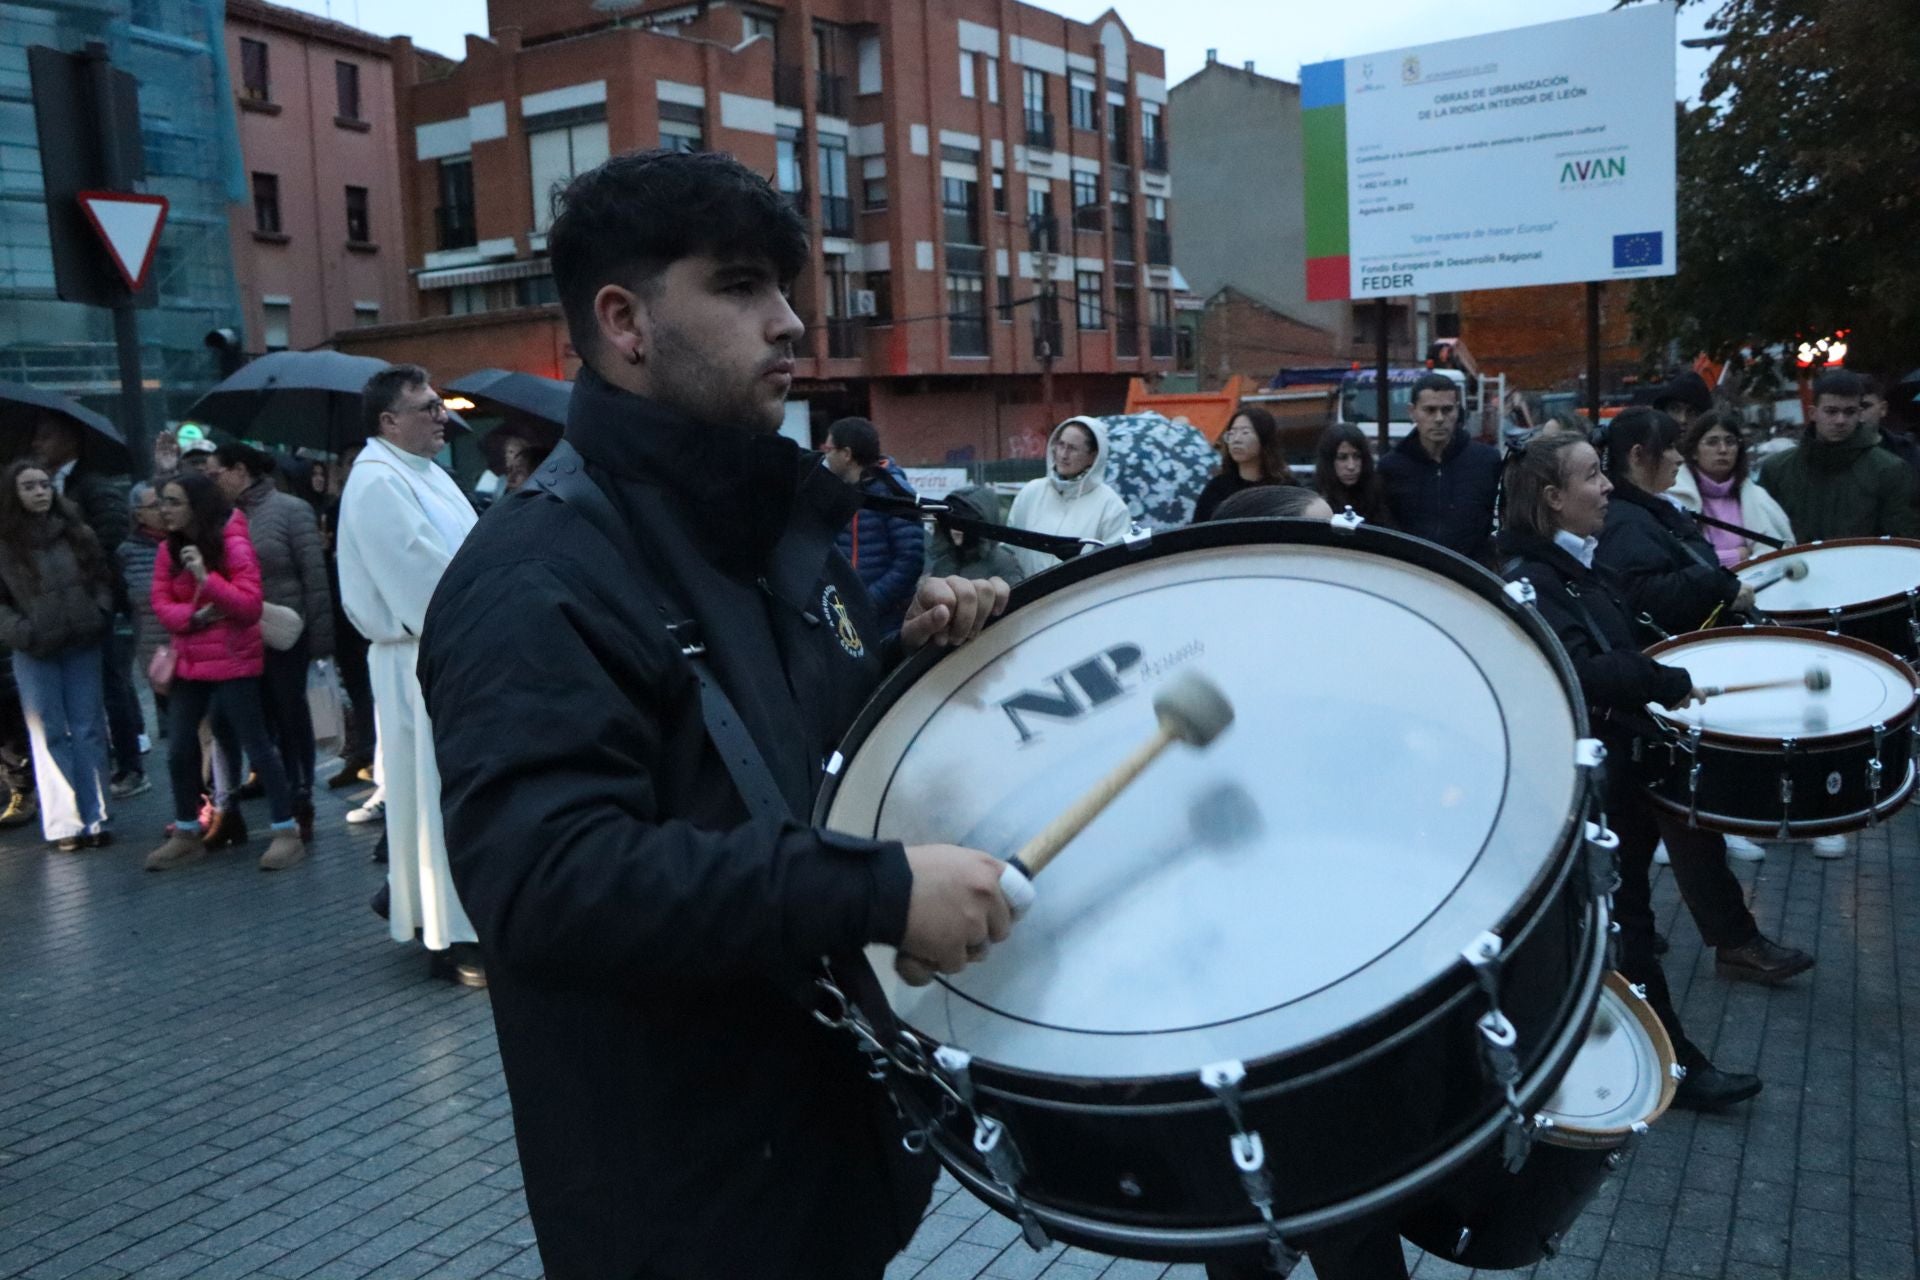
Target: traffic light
x,y
225,344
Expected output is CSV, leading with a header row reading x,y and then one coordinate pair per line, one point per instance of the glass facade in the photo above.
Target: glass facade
x,y
177,52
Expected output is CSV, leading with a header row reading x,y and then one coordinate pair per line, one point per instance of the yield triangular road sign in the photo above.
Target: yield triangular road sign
x,y
130,225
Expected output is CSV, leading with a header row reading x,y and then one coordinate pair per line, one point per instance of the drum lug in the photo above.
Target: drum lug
x,y
1693,776
1603,859
1249,1152
1833,621
991,1140
1786,787
835,763
1679,1072
1138,538
1347,521
1874,771
1520,591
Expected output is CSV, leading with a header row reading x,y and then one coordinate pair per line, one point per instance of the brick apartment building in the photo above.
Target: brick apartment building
x,y
319,247
952,158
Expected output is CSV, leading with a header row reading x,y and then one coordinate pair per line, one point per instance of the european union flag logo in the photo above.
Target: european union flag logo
x,y
1641,249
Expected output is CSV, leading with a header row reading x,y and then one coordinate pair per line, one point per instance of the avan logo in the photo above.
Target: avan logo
x,y
1075,693
1578,172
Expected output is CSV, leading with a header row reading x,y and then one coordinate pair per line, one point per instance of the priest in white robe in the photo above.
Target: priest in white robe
x,y
401,519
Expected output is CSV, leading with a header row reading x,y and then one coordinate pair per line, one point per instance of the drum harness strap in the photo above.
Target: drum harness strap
x,y
564,477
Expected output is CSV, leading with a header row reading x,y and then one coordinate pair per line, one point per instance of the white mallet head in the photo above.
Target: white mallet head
x,y
1191,708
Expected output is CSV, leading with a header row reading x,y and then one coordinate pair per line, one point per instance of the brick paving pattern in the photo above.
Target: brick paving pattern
x,y
217,1073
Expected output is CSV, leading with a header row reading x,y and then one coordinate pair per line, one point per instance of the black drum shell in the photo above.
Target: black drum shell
x,y
1516,1219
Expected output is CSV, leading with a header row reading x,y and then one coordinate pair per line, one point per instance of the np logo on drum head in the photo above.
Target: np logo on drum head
x,y
1075,693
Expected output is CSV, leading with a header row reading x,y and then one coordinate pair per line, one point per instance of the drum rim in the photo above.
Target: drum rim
x,y
1420,1003
1860,608
1579,1137
1823,741
1181,1243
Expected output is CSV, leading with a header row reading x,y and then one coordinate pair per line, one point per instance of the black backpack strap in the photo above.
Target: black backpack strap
x,y
564,476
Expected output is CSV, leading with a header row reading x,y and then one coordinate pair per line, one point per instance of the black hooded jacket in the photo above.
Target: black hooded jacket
x,y
1595,625
1666,569
650,951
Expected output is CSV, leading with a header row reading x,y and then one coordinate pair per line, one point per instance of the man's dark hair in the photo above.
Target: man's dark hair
x,y
636,215
1684,388
235,454
1839,382
858,437
1433,382
1267,502
384,389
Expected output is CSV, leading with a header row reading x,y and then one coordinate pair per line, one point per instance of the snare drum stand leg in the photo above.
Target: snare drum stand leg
x,y
1250,1159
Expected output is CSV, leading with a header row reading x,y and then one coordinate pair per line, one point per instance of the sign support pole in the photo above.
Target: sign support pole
x,y
1383,394
126,321
1593,352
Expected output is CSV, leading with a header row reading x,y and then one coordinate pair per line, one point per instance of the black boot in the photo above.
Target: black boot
x,y
1707,1088
1761,960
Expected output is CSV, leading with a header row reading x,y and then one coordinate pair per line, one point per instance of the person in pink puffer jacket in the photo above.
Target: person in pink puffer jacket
x,y
206,593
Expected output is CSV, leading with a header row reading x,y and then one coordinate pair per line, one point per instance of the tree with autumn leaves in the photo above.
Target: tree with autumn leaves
x,y
1799,185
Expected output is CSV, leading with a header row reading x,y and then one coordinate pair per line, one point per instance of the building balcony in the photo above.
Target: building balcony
x,y
1159,248
789,86
836,216
454,227
1126,340
1089,217
846,338
831,94
1160,341
1043,230
1040,129
1153,154
1120,149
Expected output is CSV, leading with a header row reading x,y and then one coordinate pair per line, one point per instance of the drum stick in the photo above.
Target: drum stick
x,y
1817,680
1190,709
1793,572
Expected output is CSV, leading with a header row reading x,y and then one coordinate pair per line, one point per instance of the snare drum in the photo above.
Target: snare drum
x,y
1784,762
1622,1081
1257,997
1867,588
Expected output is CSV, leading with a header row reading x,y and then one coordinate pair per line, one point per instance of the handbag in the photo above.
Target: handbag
x,y
323,704
280,627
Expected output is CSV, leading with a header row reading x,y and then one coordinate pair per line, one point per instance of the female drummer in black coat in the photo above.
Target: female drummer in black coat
x,y
1669,571
1555,501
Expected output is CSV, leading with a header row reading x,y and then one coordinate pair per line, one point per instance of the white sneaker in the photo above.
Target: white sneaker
x,y
1742,849
371,811
1660,858
1830,846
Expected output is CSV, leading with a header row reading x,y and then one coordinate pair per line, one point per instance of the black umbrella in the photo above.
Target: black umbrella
x,y
506,392
292,399
509,404
1907,390
22,407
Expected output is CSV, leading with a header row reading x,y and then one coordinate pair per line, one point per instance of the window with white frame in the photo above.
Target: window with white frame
x,y
561,144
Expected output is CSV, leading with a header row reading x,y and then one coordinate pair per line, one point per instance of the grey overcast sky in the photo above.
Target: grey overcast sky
x,y
1277,35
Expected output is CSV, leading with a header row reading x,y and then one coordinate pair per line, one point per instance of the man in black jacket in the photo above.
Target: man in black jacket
x,y
1440,483
651,948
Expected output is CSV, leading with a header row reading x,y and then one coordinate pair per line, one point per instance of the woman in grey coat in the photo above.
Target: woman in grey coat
x,y
293,574
56,600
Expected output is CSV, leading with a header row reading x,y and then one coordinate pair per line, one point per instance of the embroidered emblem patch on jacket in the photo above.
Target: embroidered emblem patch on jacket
x,y
835,611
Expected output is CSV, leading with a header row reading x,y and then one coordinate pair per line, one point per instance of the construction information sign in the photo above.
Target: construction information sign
x,y
1537,156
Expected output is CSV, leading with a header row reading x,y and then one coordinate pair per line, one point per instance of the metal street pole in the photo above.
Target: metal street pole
x,y
1383,395
1593,352
126,321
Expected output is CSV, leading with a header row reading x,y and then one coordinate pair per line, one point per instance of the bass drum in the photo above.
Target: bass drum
x,y
1490,1216
1867,588
1290,975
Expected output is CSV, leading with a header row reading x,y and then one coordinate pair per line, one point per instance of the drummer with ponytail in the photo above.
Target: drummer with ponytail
x,y
1556,499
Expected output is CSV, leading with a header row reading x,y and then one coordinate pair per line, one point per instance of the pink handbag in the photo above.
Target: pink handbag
x,y
160,666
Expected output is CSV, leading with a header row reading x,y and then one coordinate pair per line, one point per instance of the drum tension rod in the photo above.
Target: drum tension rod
x,y
1249,1154
1693,776
992,1142
1498,1041
1787,746
1874,770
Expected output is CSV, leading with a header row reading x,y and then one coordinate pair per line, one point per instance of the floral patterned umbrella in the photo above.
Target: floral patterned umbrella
x,y
1158,465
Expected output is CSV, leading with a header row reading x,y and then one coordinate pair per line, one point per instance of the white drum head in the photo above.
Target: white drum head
x,y
1399,774
1838,577
1865,689
1622,1076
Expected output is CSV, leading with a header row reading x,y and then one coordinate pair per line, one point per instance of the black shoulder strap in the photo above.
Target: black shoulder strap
x,y
564,475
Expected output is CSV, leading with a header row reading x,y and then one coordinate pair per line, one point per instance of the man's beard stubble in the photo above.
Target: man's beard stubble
x,y
687,378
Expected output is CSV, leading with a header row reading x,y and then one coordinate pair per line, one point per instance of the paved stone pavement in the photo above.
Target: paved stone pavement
x,y
222,1073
